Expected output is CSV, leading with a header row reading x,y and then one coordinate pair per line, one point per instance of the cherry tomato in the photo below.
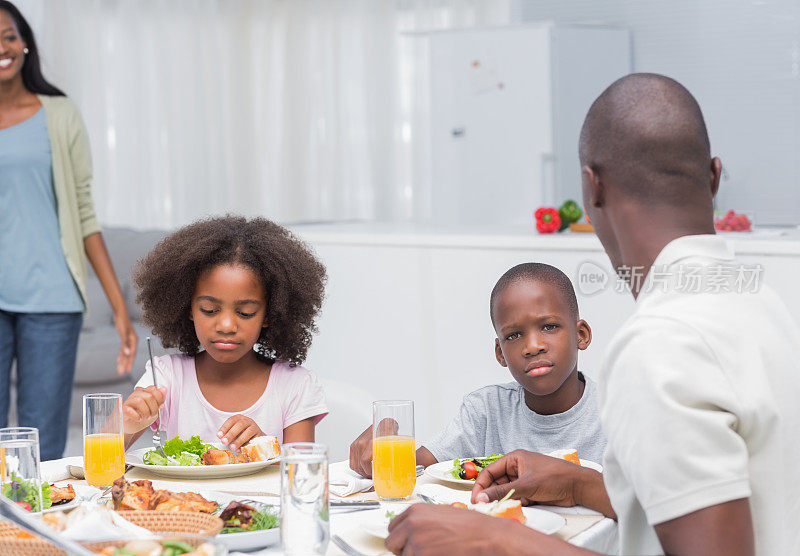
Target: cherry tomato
x,y
470,470
24,505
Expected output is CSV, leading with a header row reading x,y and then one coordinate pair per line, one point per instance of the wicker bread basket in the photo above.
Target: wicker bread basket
x,y
194,523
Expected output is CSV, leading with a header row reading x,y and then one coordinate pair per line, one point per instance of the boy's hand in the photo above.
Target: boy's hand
x,y
361,449
534,478
140,410
238,430
361,454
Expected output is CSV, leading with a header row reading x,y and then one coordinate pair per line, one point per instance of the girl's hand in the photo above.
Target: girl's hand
x,y
140,410
238,430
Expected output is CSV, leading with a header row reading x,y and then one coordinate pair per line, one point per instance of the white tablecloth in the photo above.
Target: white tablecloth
x,y
588,531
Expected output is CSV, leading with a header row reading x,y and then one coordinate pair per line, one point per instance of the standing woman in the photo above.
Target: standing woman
x,y
47,222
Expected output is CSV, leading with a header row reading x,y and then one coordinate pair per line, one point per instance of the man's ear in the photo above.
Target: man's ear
x,y
498,353
584,335
716,173
596,194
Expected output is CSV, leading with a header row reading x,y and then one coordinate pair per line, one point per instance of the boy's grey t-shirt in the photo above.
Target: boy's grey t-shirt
x,y
495,420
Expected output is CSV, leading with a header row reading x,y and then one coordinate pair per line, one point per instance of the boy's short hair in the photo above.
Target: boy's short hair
x,y
537,272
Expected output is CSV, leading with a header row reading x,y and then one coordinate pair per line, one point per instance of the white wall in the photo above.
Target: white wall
x,y
742,62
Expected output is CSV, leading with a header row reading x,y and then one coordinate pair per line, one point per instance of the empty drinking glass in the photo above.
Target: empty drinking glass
x,y
19,467
305,525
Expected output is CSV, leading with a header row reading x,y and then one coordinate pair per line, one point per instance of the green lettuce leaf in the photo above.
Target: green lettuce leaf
x,y
194,445
22,490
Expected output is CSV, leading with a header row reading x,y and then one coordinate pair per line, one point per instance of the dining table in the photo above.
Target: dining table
x,y
582,527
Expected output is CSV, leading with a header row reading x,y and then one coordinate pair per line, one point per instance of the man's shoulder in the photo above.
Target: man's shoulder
x,y
710,319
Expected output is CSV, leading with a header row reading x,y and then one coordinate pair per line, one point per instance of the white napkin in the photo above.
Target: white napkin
x,y
56,469
91,522
343,481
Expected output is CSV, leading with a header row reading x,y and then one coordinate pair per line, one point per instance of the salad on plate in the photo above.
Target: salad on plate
x,y
179,452
469,469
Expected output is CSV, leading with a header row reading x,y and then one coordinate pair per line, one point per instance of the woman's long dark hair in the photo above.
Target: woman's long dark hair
x,y
32,76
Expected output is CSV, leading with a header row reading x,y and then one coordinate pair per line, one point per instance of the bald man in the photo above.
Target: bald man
x,y
700,397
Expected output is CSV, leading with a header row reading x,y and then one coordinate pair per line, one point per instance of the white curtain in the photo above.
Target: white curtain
x,y
298,110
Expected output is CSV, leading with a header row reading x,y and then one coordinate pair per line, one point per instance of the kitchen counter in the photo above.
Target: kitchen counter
x,y
765,241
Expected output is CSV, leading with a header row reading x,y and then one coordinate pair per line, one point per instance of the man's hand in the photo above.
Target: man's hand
x,y
534,478
140,410
540,479
238,430
361,454
432,529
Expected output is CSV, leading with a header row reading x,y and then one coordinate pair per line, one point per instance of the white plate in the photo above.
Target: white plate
x,y
134,458
246,540
251,540
441,471
543,521
447,495
82,494
74,503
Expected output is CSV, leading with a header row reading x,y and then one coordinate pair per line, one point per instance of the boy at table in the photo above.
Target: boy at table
x,y
550,406
699,387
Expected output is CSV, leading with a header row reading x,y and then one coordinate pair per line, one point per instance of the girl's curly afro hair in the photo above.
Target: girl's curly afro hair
x,y
293,280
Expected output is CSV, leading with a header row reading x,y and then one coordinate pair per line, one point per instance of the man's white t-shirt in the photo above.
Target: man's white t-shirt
x,y
700,400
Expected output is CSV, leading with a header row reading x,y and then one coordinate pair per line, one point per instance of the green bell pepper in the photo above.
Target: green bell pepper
x,y
569,212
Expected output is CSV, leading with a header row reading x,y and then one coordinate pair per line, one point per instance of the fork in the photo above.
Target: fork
x,y
426,499
159,434
345,547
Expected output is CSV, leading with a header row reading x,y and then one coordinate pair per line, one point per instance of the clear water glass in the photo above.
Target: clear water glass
x,y
305,522
20,479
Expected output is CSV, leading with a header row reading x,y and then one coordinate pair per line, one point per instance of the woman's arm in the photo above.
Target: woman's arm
x,y
98,257
302,431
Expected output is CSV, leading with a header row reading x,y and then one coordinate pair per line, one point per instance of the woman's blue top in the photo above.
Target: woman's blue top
x,y
34,277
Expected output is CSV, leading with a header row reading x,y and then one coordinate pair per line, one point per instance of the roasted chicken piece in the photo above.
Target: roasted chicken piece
x,y
167,501
61,495
237,515
222,457
132,496
139,495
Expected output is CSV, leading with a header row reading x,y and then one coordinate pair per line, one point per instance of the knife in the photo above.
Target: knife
x,y
354,503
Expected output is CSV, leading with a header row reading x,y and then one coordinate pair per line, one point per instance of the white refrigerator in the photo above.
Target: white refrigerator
x,y
506,106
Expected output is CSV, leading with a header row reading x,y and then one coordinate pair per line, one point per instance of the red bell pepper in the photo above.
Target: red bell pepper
x,y
547,220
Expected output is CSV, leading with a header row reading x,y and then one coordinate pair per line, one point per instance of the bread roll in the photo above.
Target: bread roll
x,y
262,448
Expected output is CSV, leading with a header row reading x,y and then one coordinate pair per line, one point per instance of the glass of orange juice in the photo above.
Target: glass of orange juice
x,y
103,439
393,452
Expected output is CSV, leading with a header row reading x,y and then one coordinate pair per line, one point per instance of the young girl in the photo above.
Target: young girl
x,y
238,298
